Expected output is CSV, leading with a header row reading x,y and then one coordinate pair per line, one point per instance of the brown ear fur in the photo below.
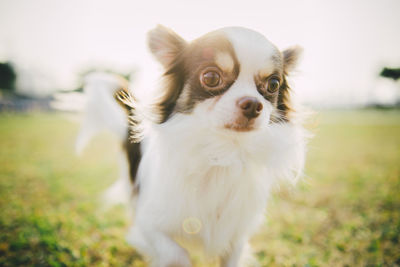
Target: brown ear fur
x,y
165,44
291,57
167,47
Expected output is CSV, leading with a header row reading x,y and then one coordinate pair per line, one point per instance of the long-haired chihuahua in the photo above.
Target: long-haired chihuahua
x,y
203,156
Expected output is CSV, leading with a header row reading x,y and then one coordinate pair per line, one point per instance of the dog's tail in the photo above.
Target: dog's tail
x,y
103,112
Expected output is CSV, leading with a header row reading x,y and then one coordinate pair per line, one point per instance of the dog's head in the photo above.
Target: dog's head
x,y
233,76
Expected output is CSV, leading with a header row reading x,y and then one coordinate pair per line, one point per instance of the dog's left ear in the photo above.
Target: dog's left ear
x,y
165,44
291,57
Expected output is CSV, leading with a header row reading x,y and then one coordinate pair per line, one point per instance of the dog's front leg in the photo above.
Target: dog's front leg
x,y
160,248
239,256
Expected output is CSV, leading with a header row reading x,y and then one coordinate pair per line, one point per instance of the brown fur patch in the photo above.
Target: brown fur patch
x,y
280,99
284,104
132,149
184,73
134,156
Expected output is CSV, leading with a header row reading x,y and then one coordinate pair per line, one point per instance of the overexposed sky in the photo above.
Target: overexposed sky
x,y
346,42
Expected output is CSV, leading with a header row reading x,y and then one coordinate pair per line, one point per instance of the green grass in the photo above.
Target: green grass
x,y
346,212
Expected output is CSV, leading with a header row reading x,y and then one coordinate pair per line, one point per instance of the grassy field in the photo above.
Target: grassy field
x,y
346,212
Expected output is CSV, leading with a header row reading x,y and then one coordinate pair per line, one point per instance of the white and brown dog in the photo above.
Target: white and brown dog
x,y
221,133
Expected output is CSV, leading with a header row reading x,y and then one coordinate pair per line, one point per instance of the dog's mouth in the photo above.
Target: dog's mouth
x,y
243,125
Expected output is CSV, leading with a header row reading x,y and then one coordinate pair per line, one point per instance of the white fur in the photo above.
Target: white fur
x,y
219,177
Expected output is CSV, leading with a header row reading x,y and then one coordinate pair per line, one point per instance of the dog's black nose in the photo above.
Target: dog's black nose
x,y
250,106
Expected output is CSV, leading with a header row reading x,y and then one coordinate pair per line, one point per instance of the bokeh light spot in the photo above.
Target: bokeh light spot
x,y
191,225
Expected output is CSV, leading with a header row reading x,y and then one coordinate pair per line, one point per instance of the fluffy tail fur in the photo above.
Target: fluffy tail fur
x,y
104,113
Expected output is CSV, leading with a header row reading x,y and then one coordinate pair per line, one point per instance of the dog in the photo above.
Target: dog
x,y
203,156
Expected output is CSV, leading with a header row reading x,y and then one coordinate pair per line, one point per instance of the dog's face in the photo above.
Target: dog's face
x,y
233,77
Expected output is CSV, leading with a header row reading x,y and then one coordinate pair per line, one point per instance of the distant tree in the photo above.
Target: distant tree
x,y
390,73
7,76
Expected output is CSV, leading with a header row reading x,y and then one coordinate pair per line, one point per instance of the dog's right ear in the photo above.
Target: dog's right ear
x,y
291,57
165,44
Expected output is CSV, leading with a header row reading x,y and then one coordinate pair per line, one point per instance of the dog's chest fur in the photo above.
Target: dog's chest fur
x,y
205,178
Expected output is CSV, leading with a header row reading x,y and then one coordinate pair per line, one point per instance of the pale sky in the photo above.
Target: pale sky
x,y
346,43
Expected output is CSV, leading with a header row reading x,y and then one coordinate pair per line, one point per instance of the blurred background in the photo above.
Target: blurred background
x,y
346,212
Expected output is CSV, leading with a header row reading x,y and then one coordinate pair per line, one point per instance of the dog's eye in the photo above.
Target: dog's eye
x,y
273,85
211,78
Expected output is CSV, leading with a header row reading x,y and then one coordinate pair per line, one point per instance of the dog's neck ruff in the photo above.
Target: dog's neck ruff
x,y
189,137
